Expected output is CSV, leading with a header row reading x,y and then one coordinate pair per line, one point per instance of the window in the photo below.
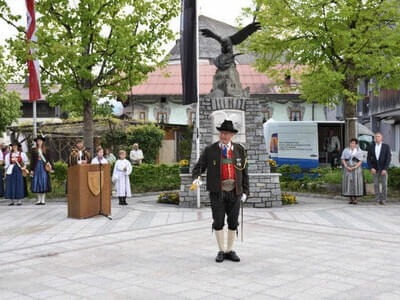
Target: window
x,y
192,117
295,115
142,116
162,117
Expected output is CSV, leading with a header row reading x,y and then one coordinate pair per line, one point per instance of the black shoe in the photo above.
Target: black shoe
x,y
19,204
11,204
120,201
231,255
220,257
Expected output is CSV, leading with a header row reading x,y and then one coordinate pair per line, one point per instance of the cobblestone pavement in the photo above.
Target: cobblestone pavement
x,y
318,249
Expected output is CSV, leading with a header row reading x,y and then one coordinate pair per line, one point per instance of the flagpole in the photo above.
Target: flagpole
x,y
198,97
34,120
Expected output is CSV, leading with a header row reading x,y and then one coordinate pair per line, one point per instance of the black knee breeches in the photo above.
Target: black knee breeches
x,y
225,203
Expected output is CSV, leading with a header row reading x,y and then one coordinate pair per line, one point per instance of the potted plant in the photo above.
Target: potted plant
x,y
184,166
272,164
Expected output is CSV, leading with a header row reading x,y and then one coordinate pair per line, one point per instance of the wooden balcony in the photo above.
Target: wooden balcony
x,y
387,102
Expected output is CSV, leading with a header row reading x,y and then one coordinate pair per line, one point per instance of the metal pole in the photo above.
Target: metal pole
x,y
198,97
34,120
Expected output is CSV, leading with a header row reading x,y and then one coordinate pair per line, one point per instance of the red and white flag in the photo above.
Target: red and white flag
x,y
35,92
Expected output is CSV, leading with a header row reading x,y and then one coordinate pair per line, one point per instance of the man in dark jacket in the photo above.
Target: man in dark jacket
x,y
379,157
228,184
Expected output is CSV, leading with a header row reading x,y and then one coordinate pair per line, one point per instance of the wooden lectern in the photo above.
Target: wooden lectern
x,y
84,190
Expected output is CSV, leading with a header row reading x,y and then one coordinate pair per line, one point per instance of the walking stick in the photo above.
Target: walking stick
x,y
241,228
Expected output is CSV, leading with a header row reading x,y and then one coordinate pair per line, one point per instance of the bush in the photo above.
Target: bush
x,y
114,140
60,171
149,137
394,178
147,178
169,198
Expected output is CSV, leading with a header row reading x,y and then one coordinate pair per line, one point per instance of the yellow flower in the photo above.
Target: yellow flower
x,y
184,163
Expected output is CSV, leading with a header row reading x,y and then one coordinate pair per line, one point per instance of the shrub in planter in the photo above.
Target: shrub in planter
x,y
169,198
184,166
288,199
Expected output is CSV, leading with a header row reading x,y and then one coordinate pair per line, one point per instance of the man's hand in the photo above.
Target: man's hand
x,y
196,183
244,198
373,171
384,172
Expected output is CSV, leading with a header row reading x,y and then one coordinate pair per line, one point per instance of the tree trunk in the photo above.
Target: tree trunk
x,y
88,125
350,117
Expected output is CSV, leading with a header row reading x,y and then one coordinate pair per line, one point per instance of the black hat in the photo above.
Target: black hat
x,y
15,143
227,125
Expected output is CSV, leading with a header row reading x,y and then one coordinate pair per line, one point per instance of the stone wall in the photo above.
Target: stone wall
x,y
264,186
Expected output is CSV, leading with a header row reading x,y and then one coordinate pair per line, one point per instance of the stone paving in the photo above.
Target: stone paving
x,y
318,249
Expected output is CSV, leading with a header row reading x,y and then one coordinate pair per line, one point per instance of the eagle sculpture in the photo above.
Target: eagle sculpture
x,y
227,58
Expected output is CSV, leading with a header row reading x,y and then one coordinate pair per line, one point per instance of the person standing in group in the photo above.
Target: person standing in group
x,y
352,173
41,166
15,165
228,184
99,159
1,172
120,177
332,146
136,155
379,158
109,156
79,155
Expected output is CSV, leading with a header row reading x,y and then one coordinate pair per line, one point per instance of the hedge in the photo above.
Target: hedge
x,y
148,178
144,178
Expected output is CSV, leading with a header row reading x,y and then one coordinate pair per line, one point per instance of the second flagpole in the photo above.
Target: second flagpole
x,y
198,97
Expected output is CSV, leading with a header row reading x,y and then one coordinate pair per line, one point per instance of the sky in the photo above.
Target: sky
x,y
223,10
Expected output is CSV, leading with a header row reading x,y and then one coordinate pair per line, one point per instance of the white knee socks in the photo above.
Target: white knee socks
x,y
231,239
219,234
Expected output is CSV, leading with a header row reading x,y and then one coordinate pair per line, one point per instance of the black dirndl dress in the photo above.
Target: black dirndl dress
x,y
15,187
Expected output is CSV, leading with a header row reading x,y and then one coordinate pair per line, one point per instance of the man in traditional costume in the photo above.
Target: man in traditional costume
x,y
79,154
228,184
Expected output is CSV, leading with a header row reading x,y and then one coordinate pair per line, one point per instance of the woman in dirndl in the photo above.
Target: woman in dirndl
x,y
41,167
15,162
352,174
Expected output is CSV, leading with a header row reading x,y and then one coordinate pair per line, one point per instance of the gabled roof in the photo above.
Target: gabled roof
x,y
168,81
23,90
210,48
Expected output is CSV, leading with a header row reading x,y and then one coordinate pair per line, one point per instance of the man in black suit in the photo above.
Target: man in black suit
x,y
228,184
379,157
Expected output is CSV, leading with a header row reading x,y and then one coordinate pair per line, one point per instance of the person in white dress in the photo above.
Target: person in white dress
x,y
99,159
120,177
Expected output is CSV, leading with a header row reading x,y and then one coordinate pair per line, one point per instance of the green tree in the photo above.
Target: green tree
x,y
96,48
330,45
10,102
149,137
